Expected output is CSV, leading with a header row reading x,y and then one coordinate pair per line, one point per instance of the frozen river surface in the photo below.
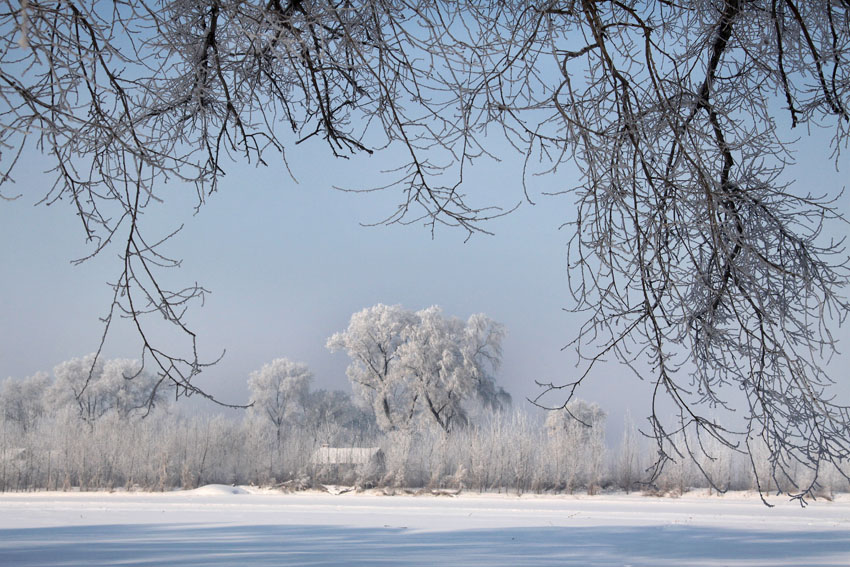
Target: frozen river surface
x,y
219,525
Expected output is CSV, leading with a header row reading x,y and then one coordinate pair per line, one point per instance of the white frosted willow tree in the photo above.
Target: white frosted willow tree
x,y
691,253
420,367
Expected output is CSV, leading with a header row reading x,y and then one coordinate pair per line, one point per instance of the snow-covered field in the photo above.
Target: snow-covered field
x,y
219,525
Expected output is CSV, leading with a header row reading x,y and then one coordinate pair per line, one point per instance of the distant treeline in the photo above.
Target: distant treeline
x,y
106,436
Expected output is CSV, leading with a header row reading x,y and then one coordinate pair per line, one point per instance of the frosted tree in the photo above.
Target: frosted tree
x,y
421,367
449,362
130,389
578,433
627,465
482,355
76,384
97,387
334,418
278,393
694,259
371,341
23,401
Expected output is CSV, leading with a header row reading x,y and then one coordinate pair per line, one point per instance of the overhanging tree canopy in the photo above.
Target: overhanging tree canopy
x,y
689,249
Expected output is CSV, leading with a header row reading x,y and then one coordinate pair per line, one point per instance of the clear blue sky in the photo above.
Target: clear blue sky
x,y
287,265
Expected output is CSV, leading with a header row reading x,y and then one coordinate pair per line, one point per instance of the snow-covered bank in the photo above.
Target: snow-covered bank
x,y
218,525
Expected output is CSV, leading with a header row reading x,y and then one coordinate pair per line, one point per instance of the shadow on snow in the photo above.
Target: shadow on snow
x,y
266,545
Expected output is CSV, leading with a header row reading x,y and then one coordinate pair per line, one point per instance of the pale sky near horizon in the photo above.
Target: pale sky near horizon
x,y
288,263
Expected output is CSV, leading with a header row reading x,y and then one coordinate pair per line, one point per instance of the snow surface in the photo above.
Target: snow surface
x,y
223,525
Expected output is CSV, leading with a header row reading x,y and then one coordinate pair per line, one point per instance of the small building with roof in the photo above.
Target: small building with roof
x,y
347,464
